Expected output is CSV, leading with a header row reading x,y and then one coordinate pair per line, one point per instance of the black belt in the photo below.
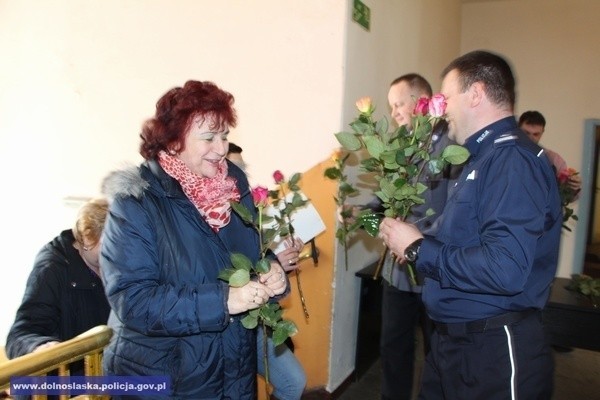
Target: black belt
x,y
482,325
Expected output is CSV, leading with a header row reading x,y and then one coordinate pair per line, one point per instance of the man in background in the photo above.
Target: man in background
x,y
533,124
402,307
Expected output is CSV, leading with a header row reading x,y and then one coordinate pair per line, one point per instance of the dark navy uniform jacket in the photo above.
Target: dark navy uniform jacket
x,y
497,246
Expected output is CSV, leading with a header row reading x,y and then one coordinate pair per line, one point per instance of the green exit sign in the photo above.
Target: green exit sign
x,y
361,14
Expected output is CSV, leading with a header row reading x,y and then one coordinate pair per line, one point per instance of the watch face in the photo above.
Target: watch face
x,y
411,252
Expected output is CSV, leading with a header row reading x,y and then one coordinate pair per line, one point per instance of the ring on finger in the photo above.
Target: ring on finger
x,y
290,262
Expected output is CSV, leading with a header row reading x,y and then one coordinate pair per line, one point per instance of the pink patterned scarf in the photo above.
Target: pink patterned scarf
x,y
211,196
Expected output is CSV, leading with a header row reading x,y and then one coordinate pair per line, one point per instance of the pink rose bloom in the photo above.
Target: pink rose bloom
x,y
260,195
278,176
565,174
422,106
364,105
437,105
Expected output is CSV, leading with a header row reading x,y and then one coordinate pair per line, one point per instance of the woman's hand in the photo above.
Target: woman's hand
x,y
289,257
248,297
275,279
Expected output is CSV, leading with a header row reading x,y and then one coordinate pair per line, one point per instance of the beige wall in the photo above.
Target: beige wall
x,y
79,77
552,45
405,36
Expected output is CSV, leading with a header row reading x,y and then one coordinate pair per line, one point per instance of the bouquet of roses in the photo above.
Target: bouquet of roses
x,y
568,194
397,159
268,315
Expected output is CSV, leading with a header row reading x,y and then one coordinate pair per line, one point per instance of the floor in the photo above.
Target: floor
x,y
577,377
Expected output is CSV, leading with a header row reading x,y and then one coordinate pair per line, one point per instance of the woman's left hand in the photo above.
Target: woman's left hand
x,y
289,257
275,279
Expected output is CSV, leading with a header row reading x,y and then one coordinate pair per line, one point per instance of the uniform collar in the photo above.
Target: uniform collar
x,y
484,138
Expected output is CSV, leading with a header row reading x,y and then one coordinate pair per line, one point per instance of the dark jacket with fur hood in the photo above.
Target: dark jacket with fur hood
x,y
160,261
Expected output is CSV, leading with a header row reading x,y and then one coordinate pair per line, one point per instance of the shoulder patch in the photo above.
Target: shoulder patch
x,y
506,139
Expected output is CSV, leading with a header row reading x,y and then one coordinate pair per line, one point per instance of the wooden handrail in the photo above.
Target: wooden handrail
x,y
89,346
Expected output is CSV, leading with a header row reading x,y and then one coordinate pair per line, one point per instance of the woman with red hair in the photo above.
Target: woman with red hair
x,y
169,233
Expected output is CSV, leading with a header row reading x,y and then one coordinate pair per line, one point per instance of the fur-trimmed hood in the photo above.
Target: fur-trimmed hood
x,y
127,181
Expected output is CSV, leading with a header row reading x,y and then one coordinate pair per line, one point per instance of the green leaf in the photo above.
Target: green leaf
x,y
226,273
423,131
421,188
263,266
349,141
242,211
273,194
436,165
270,313
333,173
389,159
293,181
298,201
374,145
267,219
370,165
347,189
250,321
455,154
382,126
282,331
363,127
370,223
239,278
240,261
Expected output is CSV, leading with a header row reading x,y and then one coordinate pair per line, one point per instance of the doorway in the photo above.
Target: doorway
x,y
587,234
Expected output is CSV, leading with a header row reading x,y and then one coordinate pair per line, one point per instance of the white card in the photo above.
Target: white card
x,y
306,221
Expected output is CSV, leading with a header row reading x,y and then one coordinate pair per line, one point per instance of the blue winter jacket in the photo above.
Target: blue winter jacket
x,y
160,261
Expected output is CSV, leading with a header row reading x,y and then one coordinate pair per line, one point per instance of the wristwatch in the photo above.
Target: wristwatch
x,y
412,251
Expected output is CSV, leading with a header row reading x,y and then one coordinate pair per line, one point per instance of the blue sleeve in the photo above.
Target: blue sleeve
x,y
149,292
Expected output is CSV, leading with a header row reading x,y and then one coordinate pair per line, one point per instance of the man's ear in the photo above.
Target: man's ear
x,y
476,93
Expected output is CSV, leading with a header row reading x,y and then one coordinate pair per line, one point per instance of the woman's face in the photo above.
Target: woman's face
x,y
205,149
90,255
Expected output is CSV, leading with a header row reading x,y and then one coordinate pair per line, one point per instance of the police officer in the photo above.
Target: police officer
x,y
489,267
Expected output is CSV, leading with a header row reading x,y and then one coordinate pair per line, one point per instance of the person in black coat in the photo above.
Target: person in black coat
x,y
64,296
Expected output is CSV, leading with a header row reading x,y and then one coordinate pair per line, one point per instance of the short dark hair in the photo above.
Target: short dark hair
x,y
490,69
234,149
415,81
532,118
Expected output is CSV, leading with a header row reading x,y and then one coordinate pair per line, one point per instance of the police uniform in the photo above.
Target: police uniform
x,y
488,272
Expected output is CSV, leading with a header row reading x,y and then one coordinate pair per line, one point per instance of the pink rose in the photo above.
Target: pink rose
x,y
437,105
365,106
565,175
260,195
422,106
278,176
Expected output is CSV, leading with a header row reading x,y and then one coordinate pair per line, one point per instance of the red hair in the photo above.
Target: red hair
x,y
176,110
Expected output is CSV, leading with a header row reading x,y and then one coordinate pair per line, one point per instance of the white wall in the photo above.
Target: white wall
x,y
552,45
405,36
79,77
